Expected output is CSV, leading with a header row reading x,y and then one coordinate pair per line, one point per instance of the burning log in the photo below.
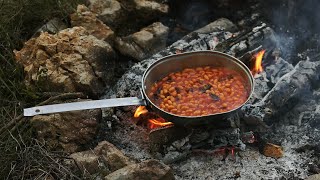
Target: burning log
x,y
276,70
290,88
177,143
164,136
239,44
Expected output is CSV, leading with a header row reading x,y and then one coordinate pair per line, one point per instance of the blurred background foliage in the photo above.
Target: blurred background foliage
x,y
22,157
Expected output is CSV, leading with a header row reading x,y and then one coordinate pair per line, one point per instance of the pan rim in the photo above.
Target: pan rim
x,y
250,77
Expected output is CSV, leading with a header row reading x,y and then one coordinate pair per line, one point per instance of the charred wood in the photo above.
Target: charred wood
x,y
289,89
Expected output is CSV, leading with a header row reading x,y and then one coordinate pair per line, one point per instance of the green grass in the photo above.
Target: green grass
x,y
19,153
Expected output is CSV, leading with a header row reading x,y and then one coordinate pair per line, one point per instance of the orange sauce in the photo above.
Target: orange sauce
x,y
200,91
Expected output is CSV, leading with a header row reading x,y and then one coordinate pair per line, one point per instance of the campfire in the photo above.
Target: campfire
x,y
224,99
157,124
237,138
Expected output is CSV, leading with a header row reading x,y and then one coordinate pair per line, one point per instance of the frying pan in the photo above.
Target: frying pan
x,y
154,73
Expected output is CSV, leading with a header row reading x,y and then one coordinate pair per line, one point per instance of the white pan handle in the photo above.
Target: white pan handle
x,y
94,104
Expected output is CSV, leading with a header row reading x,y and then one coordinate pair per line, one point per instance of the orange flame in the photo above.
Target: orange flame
x,y
152,123
258,62
159,122
140,110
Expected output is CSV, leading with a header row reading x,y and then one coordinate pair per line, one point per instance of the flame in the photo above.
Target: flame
x,y
159,122
140,110
258,62
152,123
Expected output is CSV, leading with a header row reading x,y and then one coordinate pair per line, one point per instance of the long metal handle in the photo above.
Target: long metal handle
x,y
94,104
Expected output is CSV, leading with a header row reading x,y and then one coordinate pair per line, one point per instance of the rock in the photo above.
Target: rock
x,y
144,43
221,24
147,11
314,177
151,8
150,169
70,61
112,157
53,26
109,11
272,150
104,159
87,19
68,131
87,161
119,14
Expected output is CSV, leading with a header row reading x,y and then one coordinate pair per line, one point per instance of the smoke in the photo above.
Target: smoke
x,y
296,23
191,14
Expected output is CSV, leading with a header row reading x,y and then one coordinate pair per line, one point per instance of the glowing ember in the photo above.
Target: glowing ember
x,y
232,151
225,151
258,62
159,122
140,110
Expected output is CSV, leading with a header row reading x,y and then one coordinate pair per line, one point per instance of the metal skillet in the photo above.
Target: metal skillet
x,y
154,73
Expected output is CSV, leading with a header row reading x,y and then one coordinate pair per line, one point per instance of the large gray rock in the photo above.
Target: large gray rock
x,y
109,11
314,177
104,159
87,161
112,157
151,8
68,131
119,14
87,19
70,61
150,169
144,43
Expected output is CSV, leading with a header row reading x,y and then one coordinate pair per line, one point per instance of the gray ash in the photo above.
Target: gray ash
x,y
284,110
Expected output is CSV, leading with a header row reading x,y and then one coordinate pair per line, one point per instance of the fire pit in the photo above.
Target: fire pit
x,y
271,133
237,147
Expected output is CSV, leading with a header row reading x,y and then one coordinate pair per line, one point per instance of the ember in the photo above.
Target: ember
x,y
224,151
258,63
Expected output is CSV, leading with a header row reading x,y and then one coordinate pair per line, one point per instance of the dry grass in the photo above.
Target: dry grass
x,y
22,157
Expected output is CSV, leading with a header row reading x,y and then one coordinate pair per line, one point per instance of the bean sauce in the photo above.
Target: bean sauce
x,y
200,91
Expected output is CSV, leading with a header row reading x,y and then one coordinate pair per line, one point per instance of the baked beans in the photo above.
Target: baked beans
x,y
199,91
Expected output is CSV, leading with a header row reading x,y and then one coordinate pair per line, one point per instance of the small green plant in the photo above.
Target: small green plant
x,y
19,19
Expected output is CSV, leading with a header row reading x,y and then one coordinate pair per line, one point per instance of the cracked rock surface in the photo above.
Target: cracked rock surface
x,y
68,131
144,43
70,61
87,19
